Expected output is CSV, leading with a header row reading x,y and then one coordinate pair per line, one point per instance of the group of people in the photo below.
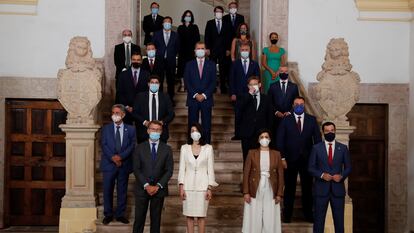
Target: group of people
x,y
278,139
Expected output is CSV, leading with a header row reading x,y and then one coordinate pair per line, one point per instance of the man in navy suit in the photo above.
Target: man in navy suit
x,y
167,43
281,93
200,81
118,142
297,133
131,82
330,165
153,65
233,18
241,70
152,22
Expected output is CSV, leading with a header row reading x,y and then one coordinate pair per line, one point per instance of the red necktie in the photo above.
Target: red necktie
x,y
200,68
330,156
151,64
299,123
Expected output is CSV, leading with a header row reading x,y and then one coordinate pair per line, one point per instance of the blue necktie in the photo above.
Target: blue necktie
x,y
153,152
245,66
117,140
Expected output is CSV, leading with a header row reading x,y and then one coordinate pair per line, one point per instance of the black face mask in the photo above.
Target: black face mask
x,y
284,76
329,137
136,65
274,41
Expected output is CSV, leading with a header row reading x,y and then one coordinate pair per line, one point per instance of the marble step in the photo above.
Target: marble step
x,y
221,111
216,119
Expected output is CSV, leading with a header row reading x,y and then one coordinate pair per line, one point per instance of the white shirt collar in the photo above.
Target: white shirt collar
x,y
302,116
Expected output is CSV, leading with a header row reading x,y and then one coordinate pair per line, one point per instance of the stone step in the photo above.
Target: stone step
x,y
216,111
216,119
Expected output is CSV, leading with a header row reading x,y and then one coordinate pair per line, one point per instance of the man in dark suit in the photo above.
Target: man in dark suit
x,y
330,165
281,93
167,43
240,72
254,114
118,142
296,135
218,43
233,18
153,168
153,65
151,106
152,22
200,81
131,82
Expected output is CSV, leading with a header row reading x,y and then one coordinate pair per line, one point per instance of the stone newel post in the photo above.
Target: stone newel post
x,y
337,92
79,91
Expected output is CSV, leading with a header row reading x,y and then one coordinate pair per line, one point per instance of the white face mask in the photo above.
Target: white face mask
x,y
200,53
256,88
219,15
127,39
264,142
195,136
116,118
233,10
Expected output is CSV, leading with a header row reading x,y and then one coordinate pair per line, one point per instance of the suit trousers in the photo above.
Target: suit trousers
x,y
194,116
236,120
247,144
224,67
321,206
120,177
170,76
141,206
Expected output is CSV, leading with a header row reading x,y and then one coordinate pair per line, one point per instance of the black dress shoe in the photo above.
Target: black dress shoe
x,y
286,220
123,220
107,220
235,138
309,219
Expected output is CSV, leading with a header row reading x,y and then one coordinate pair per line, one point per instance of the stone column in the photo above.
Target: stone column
x,y
79,91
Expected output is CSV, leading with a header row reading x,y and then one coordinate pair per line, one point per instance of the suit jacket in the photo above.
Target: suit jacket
x,y
252,120
318,164
296,146
158,68
238,79
126,89
204,165
141,114
153,172
217,42
280,102
149,26
119,56
251,173
239,20
194,84
172,47
108,147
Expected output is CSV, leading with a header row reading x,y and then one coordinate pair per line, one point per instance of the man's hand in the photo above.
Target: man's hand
x,y
337,178
117,160
129,109
227,53
162,122
279,114
152,189
278,199
284,164
251,90
326,176
146,123
199,98
286,114
247,198
233,98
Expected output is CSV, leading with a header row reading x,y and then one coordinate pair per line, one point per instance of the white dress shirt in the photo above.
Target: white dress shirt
x,y
327,148
286,84
150,104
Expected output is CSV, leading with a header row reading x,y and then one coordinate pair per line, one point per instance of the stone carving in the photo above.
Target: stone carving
x,y
79,87
338,88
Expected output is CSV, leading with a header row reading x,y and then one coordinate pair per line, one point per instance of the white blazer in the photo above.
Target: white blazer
x,y
196,174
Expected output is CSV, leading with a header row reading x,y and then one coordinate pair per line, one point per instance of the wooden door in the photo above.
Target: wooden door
x,y
367,181
35,162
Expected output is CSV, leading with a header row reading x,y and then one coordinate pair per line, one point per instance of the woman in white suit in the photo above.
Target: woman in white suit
x,y
196,178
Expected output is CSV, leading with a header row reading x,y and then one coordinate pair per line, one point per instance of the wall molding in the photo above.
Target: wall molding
x,y
385,5
18,7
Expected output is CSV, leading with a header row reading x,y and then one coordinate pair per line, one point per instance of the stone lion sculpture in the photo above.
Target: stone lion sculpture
x,y
338,88
79,85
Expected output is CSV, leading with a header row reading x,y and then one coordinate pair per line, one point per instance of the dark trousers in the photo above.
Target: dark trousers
x,y
247,144
193,116
274,125
236,120
128,119
291,174
170,76
141,206
321,206
224,67
120,177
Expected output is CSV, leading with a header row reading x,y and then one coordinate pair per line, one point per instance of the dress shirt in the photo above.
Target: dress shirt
x,y
286,84
258,99
121,131
333,148
150,104
133,70
302,119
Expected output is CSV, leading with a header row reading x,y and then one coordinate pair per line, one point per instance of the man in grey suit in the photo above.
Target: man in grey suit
x,y
153,168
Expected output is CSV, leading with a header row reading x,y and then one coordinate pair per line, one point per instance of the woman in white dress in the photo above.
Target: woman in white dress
x,y
196,178
262,188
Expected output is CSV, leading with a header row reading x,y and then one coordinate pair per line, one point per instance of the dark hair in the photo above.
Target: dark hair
x,y
233,2
183,16
150,43
253,78
156,3
260,132
136,53
299,98
328,123
238,34
155,123
167,17
153,77
220,8
199,128
273,33
120,106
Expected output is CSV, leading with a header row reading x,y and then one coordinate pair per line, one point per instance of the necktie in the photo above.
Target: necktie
x,y
255,101
153,152
299,123
152,64
233,20
127,57
154,108
330,155
154,18
117,140
218,26
284,88
135,78
200,68
245,66
167,39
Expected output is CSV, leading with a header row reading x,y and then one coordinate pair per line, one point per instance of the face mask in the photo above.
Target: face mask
x,y
200,53
244,54
116,118
127,39
154,11
154,136
195,136
243,32
233,10
264,142
219,15
284,76
299,109
167,26
256,89
329,136
154,87
187,19
151,53
136,65
274,41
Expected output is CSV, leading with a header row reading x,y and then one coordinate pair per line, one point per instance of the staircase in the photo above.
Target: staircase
x,y
225,212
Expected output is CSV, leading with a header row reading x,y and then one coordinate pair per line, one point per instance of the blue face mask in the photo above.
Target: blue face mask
x,y
244,54
154,87
154,11
187,19
167,26
154,136
299,109
151,53
200,53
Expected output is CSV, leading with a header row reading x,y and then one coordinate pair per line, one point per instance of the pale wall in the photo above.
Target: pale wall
x,y
378,50
411,136
36,46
